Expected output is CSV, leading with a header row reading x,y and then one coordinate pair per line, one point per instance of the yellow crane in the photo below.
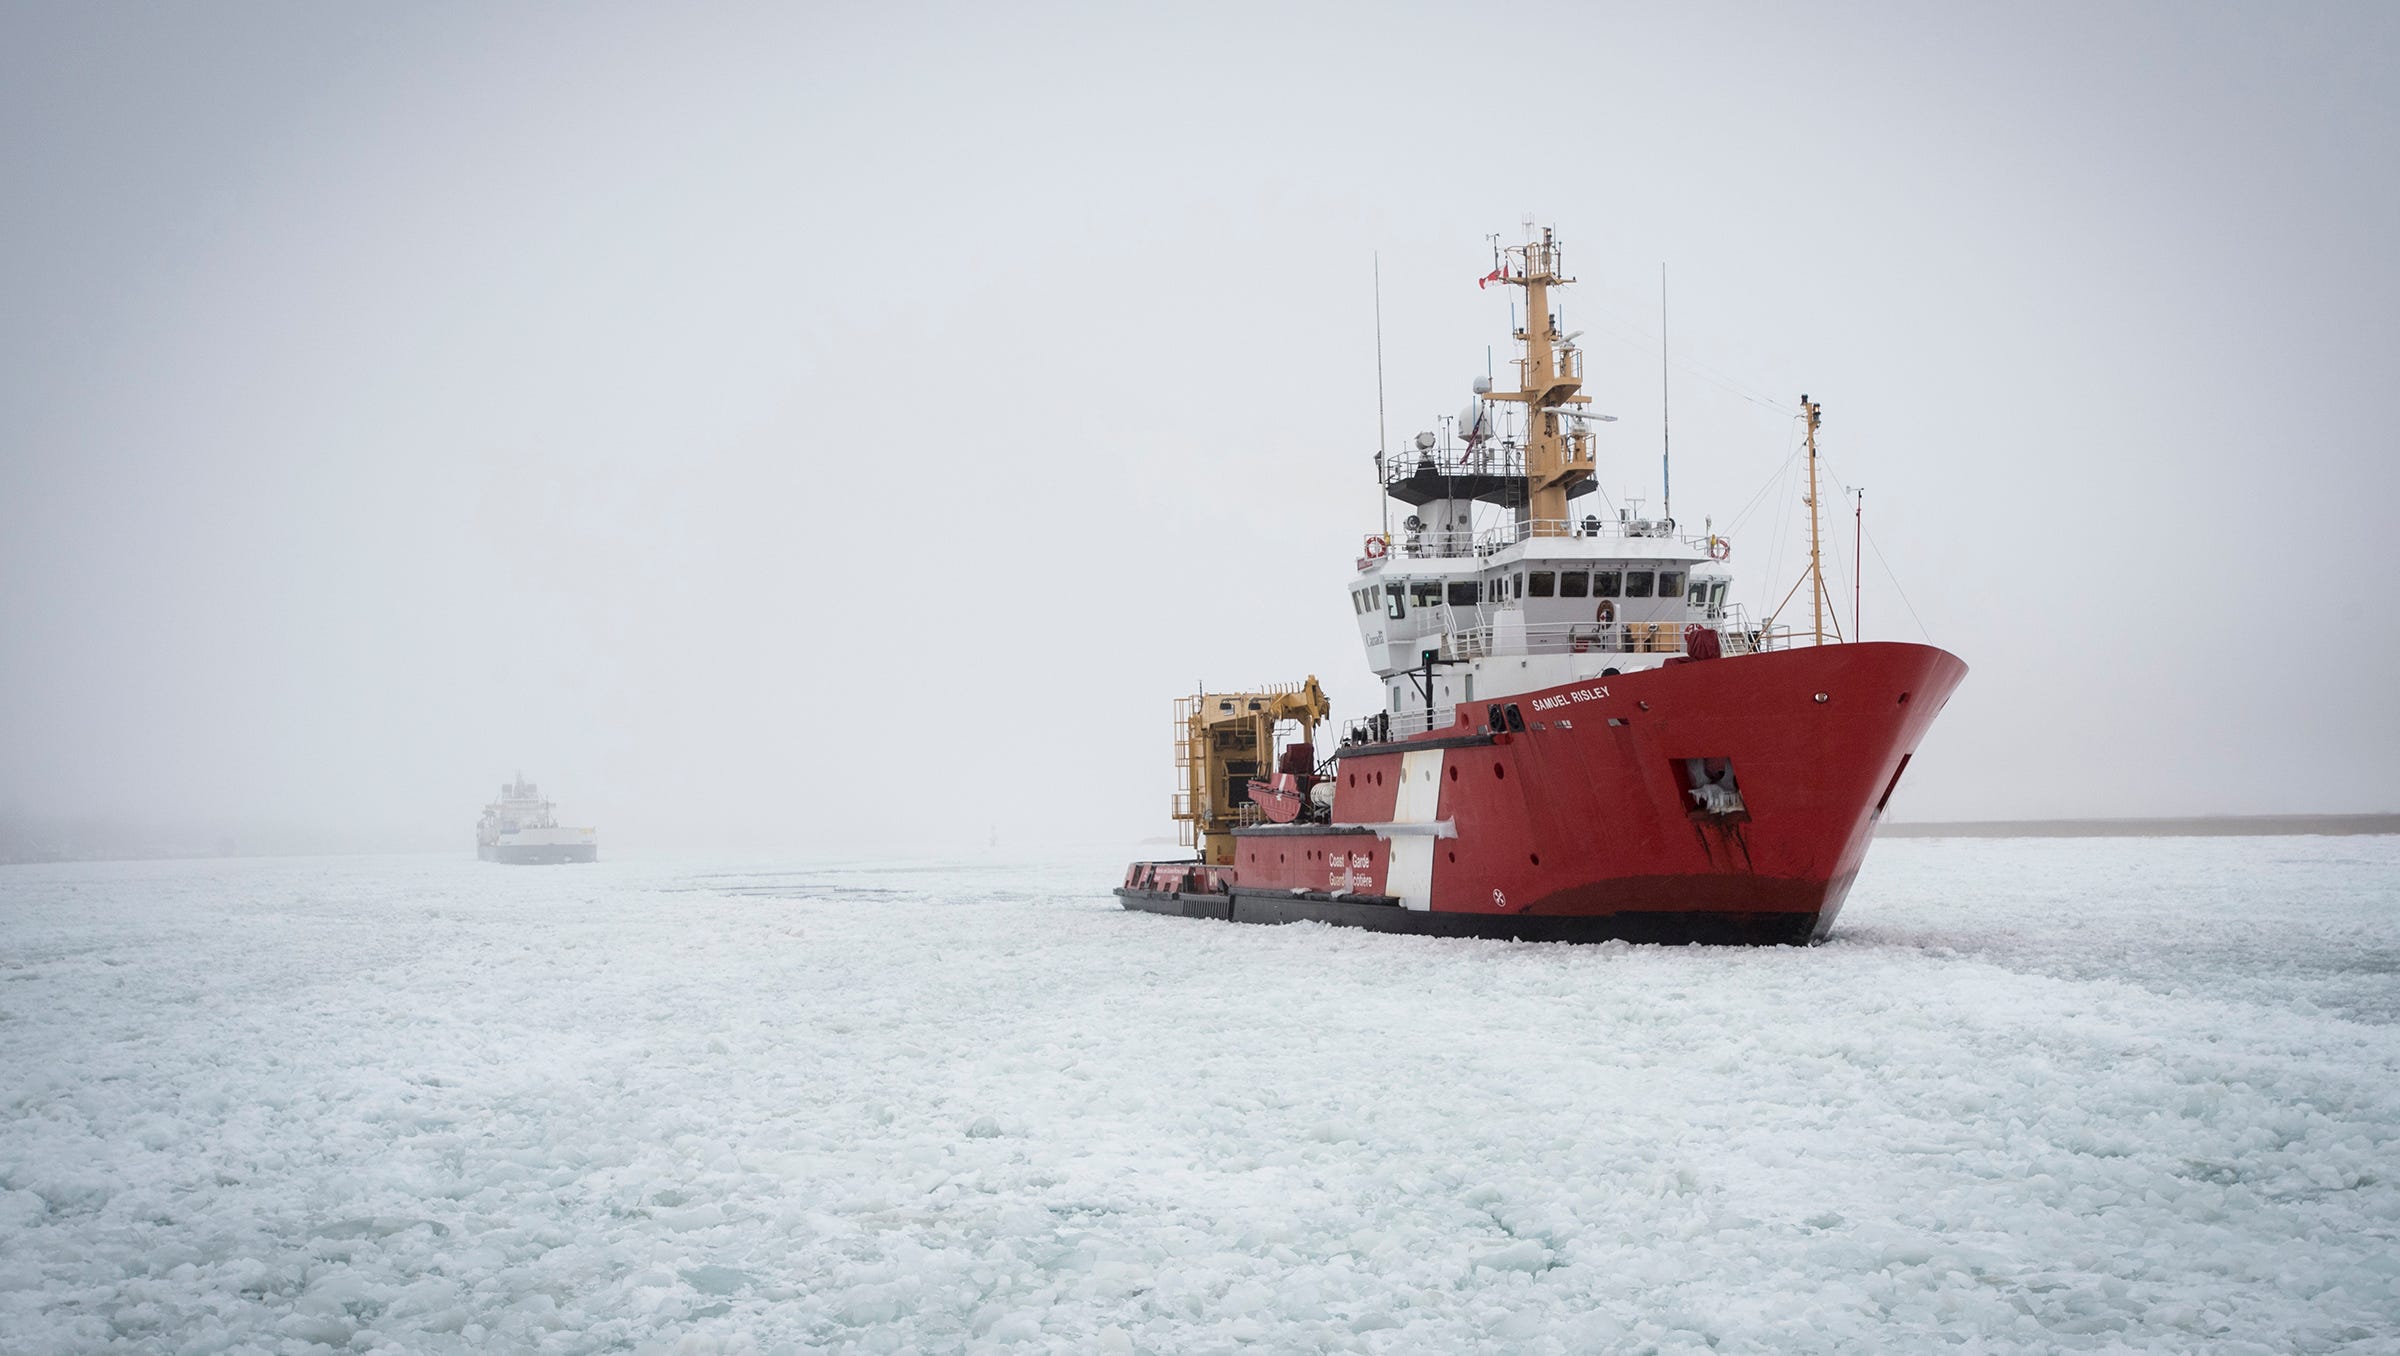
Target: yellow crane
x,y
1223,740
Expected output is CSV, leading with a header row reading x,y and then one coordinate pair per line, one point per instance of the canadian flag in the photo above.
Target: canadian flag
x,y
1496,275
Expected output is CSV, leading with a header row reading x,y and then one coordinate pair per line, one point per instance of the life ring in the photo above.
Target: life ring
x,y
1606,613
1719,548
1377,545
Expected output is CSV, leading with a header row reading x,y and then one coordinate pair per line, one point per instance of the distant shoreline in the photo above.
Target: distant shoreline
x,y
2200,826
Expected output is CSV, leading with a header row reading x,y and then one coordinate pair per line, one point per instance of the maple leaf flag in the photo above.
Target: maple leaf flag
x,y
1496,275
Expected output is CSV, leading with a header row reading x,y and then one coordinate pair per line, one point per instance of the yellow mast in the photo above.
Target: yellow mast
x,y
1816,567
1819,597
1549,377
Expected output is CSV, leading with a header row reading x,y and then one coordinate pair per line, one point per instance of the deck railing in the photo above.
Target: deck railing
x,y
1430,544
1477,638
1481,642
1736,635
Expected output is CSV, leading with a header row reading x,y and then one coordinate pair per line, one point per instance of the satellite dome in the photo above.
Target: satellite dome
x,y
1475,422
1483,386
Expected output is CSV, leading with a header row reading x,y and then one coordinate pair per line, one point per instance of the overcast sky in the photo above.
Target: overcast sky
x,y
800,427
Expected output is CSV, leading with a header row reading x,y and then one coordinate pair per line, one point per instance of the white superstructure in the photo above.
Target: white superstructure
x,y
521,827
1505,611
1502,578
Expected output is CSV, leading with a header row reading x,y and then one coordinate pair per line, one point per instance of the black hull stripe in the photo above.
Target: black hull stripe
x,y
1674,928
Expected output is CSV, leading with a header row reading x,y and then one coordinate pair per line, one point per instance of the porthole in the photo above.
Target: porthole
x,y
1534,857
1500,772
1454,856
1454,774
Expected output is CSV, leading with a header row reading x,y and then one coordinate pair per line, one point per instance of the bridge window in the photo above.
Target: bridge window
x,y
1544,582
1519,586
1572,583
1426,593
1462,593
1607,584
1637,583
1393,594
1670,583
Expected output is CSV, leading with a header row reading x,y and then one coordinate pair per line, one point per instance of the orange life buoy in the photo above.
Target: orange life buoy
x,y
1719,548
1376,546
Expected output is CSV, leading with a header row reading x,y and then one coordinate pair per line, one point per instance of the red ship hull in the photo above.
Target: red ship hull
x,y
1586,811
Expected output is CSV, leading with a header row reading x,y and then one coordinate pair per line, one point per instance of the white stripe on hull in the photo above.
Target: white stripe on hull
x,y
1410,879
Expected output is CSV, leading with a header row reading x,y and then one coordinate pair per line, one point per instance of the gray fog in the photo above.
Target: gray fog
x,y
830,427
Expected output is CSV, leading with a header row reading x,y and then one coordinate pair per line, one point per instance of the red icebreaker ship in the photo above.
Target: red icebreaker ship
x,y
1583,740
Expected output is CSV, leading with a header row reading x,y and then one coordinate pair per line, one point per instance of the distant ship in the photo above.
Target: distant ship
x,y
520,828
1582,739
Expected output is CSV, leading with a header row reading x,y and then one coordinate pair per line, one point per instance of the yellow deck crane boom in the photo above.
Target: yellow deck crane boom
x,y
1224,740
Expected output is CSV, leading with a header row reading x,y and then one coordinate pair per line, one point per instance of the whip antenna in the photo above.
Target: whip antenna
x,y
1858,562
1666,446
1380,447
